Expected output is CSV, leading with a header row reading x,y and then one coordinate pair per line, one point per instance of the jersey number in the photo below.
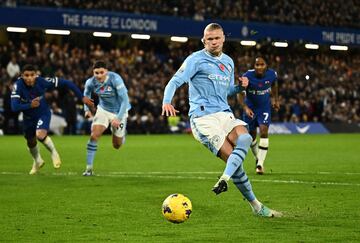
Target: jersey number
x,y
266,114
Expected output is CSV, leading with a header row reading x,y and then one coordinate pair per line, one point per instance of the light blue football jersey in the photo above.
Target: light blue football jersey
x,y
112,94
210,79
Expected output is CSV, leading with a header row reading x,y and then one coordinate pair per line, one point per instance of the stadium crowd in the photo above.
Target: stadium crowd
x,y
333,13
314,85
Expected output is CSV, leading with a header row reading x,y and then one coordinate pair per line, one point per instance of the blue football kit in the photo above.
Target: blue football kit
x,y
258,97
39,117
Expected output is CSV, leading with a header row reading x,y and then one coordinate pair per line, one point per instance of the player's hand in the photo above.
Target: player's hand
x,y
168,110
35,102
87,101
276,105
115,123
88,114
244,81
249,112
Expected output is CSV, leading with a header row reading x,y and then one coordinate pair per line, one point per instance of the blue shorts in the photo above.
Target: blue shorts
x,y
31,125
261,117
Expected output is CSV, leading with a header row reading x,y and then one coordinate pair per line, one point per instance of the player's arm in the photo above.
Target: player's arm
x,y
87,93
122,94
70,85
17,105
236,89
183,75
242,95
275,95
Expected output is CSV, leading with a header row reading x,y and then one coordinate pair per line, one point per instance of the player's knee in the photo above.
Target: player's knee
x,y
245,139
41,137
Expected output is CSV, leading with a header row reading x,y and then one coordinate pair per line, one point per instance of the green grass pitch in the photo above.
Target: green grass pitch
x,y
313,179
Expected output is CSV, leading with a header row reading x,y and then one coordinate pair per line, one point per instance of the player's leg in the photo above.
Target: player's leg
x,y
210,132
240,179
254,145
264,118
263,148
99,125
91,148
119,133
234,156
42,129
252,124
30,136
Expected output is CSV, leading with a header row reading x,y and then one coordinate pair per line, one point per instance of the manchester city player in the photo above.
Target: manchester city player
x,y
112,109
28,96
260,97
210,76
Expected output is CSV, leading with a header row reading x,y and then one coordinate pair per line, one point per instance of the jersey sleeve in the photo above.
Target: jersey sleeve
x,y
16,104
49,83
87,91
70,85
121,91
187,70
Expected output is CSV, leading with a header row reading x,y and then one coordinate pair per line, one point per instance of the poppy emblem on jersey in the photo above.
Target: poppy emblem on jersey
x,y
260,84
102,89
222,67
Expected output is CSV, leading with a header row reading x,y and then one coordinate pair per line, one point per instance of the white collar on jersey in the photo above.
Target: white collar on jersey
x,y
211,55
106,79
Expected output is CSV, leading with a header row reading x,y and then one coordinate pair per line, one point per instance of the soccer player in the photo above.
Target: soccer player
x,y
112,109
210,76
257,107
28,96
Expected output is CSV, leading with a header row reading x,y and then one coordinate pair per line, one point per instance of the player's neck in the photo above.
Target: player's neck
x,y
213,54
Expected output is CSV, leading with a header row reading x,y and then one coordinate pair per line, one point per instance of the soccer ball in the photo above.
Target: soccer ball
x,y
177,208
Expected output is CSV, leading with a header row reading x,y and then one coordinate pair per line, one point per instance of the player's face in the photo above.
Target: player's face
x,y
100,74
214,41
29,77
260,66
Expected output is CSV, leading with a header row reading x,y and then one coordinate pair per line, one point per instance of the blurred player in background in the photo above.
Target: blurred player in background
x,y
210,75
28,96
260,97
112,109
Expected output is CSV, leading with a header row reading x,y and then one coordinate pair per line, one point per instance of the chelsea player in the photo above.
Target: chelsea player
x,y
210,76
112,109
28,96
260,97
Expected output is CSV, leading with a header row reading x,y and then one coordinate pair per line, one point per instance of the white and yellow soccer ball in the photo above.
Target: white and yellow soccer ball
x,y
177,208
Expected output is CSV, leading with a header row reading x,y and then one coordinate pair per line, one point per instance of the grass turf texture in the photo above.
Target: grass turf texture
x,y
313,179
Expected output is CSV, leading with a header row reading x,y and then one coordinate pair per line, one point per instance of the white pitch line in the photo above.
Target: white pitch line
x,y
177,175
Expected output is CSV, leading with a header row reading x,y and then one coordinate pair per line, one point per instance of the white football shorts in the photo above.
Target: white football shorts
x,y
211,130
104,118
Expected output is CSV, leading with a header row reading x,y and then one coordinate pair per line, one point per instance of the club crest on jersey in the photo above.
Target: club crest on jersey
x,y
267,82
108,88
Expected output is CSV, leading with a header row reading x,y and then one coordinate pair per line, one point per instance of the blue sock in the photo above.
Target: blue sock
x,y
91,151
238,154
242,182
